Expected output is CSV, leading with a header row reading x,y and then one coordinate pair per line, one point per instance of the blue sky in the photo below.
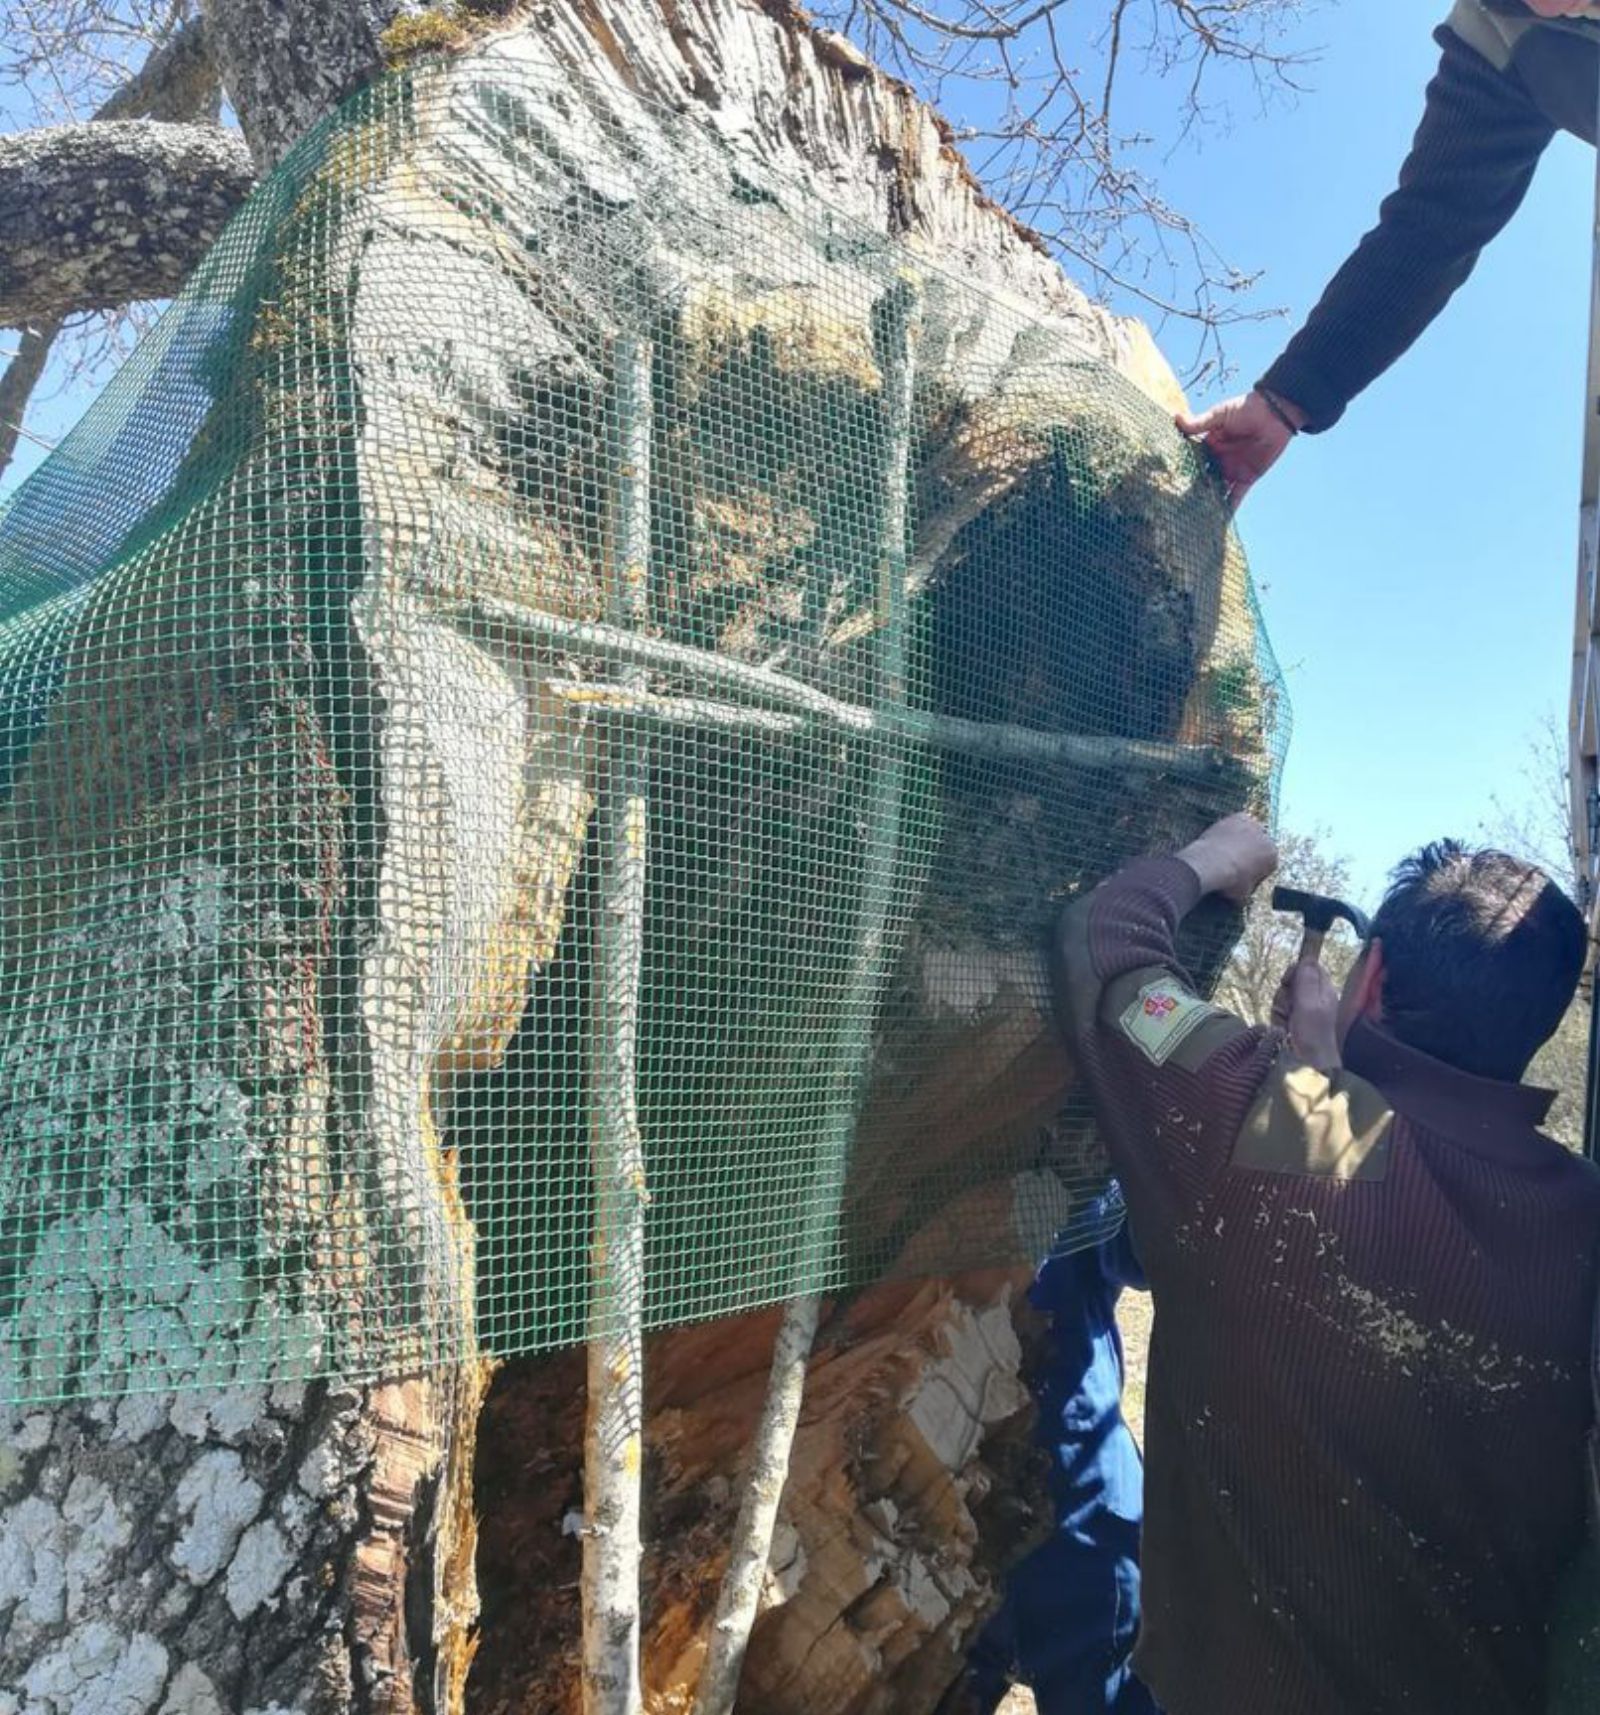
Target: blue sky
x,y
1418,563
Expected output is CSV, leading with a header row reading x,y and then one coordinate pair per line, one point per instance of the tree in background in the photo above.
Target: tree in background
x,y
1271,941
1539,829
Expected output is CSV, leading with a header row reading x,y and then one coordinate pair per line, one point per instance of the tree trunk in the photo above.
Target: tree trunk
x,y
261,1031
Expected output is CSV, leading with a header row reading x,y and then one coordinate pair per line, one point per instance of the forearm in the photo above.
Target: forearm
x,y
1170,1074
1470,166
1129,923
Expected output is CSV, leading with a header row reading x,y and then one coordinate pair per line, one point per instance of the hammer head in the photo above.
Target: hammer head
x,y
1319,911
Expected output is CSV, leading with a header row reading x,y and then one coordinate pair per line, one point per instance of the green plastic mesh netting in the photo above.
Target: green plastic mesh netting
x,y
547,713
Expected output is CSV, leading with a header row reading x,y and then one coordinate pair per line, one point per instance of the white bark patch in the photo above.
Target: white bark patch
x,y
219,1501
97,1532
321,1471
34,1435
139,1415
33,1562
97,1671
258,1568
219,1414
192,1693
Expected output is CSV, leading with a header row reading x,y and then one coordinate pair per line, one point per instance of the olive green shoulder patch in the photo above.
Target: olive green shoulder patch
x,y
1318,1126
1164,1021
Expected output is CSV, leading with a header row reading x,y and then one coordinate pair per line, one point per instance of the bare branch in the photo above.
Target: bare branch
x,y
21,376
1044,75
68,58
97,215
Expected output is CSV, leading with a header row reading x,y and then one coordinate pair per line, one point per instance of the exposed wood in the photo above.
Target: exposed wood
x,y
914,1480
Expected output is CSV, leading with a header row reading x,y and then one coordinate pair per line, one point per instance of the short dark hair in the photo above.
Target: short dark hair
x,y
1481,954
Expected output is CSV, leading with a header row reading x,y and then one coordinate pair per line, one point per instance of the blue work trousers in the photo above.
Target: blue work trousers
x,y
1071,1610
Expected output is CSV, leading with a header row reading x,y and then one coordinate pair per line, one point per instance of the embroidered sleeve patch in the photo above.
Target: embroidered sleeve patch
x,y
1162,1018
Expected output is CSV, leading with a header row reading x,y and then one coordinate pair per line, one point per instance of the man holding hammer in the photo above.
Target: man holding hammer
x,y
1369,1385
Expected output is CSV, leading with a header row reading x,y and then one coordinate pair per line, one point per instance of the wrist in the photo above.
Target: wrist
x,y
1285,410
1208,866
1317,1047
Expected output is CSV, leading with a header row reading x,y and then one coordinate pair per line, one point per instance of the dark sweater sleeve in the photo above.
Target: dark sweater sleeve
x,y
1172,1077
1475,153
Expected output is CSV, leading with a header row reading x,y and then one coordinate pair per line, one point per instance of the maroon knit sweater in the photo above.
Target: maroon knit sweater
x,y
1368,1389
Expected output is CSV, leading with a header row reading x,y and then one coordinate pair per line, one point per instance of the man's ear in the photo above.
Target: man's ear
x,y
1369,993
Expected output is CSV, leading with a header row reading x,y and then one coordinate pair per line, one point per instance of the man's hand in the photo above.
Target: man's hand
x,y
1232,857
1313,1015
1557,8
1245,438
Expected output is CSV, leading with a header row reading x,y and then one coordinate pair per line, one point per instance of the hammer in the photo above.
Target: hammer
x,y
1319,914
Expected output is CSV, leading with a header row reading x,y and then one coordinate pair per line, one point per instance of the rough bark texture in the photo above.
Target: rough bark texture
x,y
179,83
237,1552
286,63
100,214
427,841
176,85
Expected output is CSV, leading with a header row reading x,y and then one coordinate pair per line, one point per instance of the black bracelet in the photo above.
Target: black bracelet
x,y
1278,411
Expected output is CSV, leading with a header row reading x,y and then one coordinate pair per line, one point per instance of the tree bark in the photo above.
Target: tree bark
x,y
178,84
345,994
288,63
100,214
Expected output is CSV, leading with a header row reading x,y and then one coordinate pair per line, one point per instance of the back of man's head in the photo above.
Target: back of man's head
x,y
1481,957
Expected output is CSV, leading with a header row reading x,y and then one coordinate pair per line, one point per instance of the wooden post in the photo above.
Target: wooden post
x,y
613,1449
740,1595
785,706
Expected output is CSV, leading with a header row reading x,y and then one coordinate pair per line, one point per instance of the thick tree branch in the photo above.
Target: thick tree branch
x,y
279,95
97,215
178,84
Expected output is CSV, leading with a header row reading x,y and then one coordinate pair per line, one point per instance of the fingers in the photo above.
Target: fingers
x,y
1203,422
1311,985
1313,1026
